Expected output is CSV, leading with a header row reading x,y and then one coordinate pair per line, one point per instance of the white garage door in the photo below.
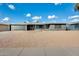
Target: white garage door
x,y
4,28
17,27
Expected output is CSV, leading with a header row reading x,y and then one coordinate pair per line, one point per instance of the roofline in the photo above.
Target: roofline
x,y
40,23
36,23
4,24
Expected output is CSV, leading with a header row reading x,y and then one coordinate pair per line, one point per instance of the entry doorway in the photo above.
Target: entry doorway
x,y
30,27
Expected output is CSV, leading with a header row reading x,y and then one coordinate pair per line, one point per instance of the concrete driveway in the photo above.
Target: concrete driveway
x,y
39,51
39,43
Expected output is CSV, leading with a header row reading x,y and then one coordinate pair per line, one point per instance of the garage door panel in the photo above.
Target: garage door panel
x,y
18,27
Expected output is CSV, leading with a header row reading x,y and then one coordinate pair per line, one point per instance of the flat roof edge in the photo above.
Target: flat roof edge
x,y
37,23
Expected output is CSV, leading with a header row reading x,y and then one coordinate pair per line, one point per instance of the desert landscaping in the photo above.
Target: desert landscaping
x,y
36,39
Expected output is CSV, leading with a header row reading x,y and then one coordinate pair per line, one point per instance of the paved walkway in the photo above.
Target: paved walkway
x,y
39,51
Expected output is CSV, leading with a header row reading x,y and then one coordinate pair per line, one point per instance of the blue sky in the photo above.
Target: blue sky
x,y
37,12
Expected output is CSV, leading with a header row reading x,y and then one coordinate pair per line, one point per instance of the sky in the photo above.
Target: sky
x,y
38,12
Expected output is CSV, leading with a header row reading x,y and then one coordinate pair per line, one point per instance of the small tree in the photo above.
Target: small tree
x,y
76,8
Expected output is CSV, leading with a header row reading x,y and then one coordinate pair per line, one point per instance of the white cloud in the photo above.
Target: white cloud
x,y
1,21
35,21
57,3
43,22
52,17
72,17
27,21
28,15
11,6
6,19
36,17
75,20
